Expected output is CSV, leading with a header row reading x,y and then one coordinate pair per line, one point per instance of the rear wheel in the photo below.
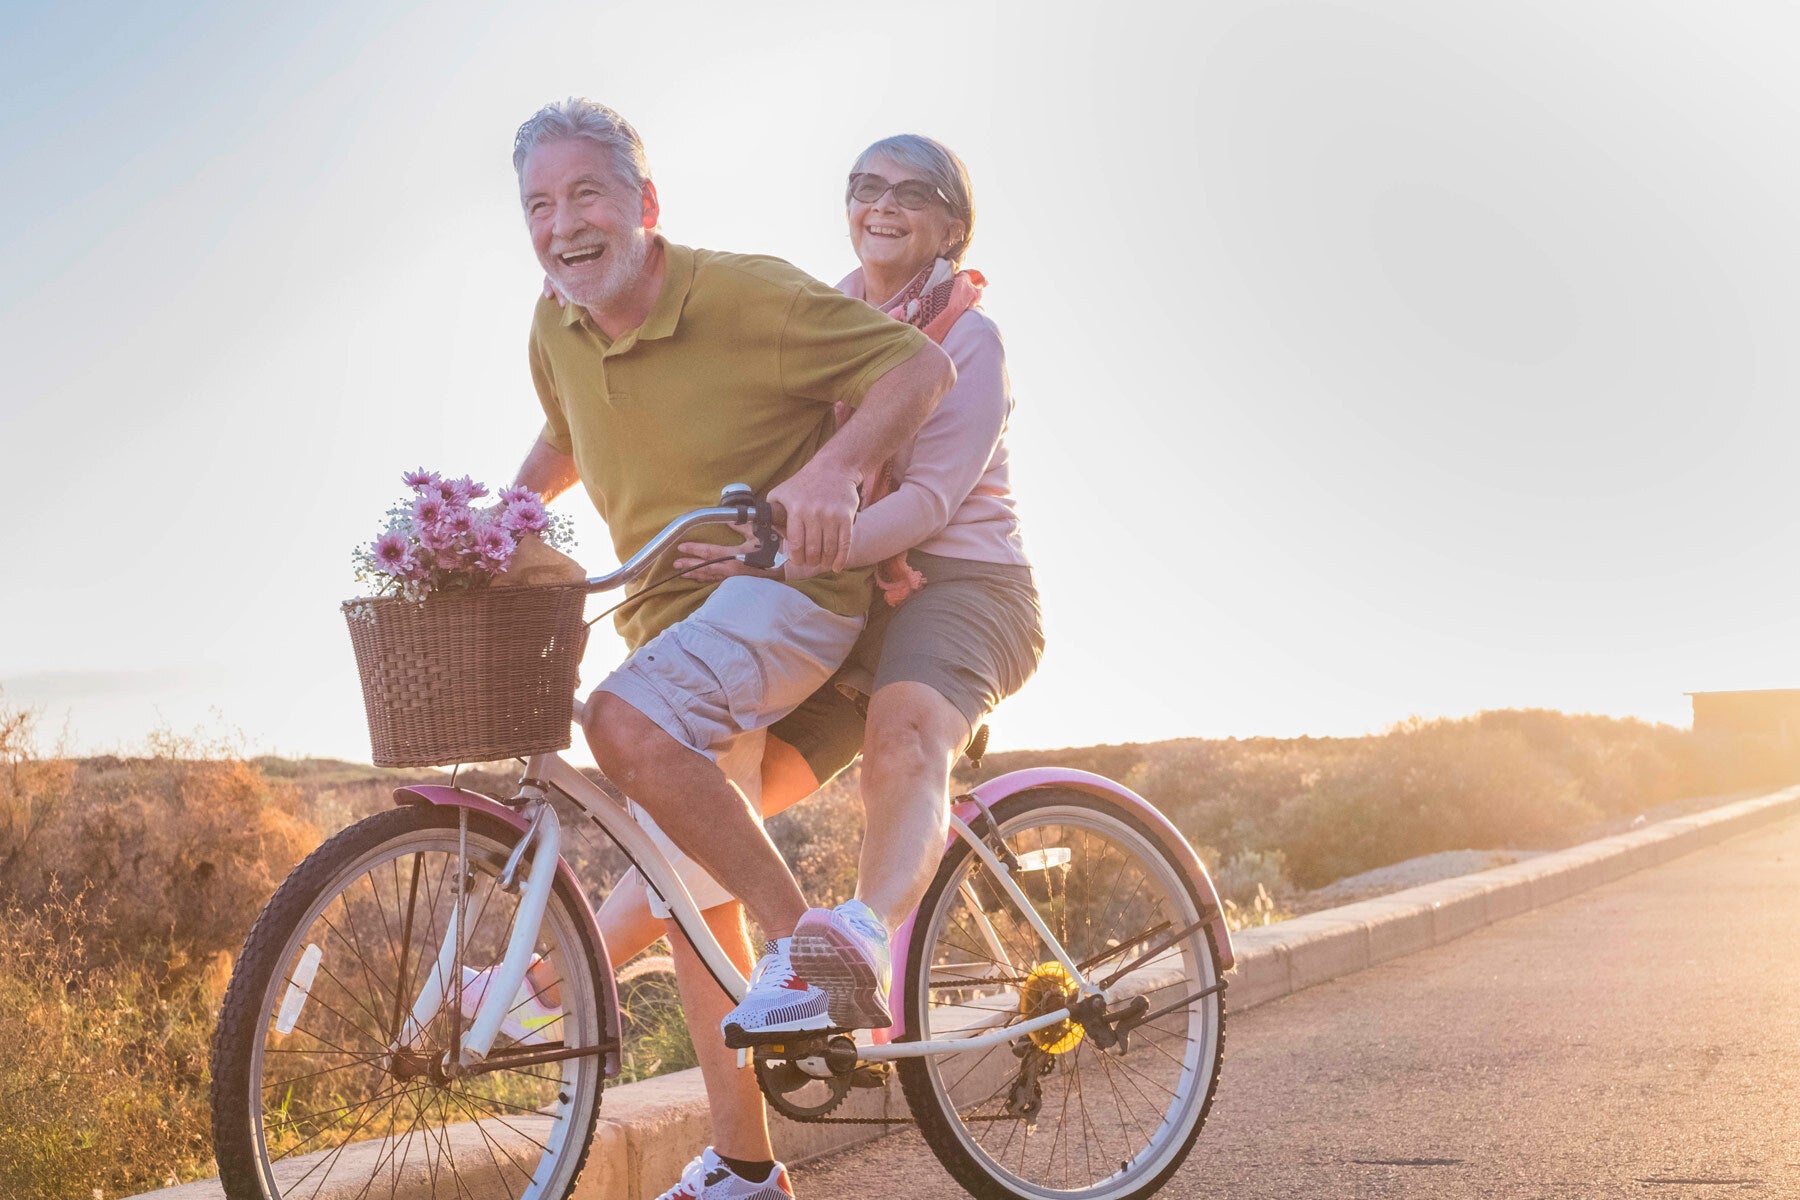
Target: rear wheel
x,y
1050,1116
316,1093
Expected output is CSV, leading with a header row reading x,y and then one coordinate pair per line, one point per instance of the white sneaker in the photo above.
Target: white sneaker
x,y
844,951
706,1178
779,1002
528,1021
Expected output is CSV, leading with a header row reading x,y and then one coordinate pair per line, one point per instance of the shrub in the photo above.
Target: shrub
x,y
103,1069
184,850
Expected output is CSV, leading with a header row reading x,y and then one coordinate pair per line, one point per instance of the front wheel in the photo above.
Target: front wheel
x,y
1050,1116
323,1082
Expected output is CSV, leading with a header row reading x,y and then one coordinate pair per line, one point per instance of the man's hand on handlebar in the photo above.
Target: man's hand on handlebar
x,y
820,506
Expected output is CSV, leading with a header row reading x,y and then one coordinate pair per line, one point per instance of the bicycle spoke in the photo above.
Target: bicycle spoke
x,y
462,1101
337,1152
354,945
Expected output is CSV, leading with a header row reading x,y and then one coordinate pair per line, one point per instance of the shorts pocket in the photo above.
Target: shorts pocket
x,y
739,676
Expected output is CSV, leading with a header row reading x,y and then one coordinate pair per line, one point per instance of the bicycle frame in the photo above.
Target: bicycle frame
x,y
531,813
536,820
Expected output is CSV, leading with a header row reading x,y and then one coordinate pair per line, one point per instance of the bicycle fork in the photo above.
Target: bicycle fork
x,y
543,840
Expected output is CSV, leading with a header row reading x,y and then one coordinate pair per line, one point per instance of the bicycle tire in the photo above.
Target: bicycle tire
x,y
539,1117
968,1127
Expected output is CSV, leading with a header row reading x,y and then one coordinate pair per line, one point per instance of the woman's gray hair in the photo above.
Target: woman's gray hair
x,y
937,165
579,118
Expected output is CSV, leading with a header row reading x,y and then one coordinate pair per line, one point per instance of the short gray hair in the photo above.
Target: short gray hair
x,y
576,117
937,165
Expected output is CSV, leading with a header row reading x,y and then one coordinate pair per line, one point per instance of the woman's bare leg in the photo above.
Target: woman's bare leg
x,y
626,923
912,738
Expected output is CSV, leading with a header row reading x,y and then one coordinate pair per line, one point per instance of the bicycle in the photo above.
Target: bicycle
x,y
1064,970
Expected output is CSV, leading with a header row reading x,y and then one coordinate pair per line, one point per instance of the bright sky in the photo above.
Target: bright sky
x,y
1372,358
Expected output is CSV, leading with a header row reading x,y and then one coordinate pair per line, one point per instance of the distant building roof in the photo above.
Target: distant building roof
x,y
1769,711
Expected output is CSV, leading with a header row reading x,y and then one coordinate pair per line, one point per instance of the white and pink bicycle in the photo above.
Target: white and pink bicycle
x,y
1060,1015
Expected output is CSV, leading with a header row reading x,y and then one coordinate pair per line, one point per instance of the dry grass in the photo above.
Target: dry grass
x,y
126,884
102,1067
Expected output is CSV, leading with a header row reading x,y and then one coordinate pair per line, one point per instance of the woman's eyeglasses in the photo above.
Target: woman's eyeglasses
x,y
912,194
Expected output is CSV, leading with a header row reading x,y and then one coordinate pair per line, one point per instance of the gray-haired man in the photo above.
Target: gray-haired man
x,y
670,372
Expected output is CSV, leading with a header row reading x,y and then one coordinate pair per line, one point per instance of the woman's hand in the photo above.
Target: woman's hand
x,y
692,554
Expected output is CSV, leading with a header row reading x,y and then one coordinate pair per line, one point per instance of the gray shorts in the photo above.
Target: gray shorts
x,y
718,679
973,634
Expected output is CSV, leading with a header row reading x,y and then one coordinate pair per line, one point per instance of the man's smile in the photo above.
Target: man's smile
x,y
584,254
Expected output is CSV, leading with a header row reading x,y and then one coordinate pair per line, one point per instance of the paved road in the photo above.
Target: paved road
x,y
1638,1040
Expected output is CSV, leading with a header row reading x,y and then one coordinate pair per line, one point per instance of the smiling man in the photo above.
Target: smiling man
x,y
669,373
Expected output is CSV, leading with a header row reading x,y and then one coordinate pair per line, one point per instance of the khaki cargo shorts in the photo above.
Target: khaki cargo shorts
x,y
717,680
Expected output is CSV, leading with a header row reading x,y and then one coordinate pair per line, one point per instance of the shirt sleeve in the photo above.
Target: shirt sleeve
x,y
556,421
834,348
950,454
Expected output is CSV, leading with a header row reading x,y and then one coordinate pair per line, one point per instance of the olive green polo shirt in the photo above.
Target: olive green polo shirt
x,y
730,379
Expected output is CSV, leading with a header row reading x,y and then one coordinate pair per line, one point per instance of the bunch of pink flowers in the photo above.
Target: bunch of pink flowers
x,y
436,540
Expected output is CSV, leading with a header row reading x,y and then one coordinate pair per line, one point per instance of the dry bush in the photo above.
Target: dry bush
x,y
822,839
1425,787
182,850
102,1068
1338,806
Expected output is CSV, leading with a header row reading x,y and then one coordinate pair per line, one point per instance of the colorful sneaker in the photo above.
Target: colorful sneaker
x,y
779,1002
844,951
528,1021
706,1178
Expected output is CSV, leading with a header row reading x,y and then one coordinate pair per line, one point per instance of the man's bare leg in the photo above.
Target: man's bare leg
x,y
697,806
740,1122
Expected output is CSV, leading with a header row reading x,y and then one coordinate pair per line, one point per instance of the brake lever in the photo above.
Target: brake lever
x,y
760,516
768,541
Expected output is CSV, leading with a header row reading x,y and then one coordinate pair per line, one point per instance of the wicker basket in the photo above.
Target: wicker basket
x,y
468,676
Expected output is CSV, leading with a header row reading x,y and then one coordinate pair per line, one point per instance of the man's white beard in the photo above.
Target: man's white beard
x,y
625,259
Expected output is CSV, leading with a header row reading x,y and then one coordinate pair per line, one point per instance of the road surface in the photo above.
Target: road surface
x,y
1638,1040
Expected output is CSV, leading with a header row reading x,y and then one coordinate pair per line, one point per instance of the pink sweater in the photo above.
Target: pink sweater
x,y
953,497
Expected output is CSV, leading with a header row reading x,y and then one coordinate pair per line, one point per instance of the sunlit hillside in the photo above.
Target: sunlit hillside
x,y
127,884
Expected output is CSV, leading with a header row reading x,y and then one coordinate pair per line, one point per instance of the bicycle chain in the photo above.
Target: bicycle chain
x,y
779,1107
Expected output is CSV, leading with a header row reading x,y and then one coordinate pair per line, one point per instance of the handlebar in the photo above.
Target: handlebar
x,y
738,505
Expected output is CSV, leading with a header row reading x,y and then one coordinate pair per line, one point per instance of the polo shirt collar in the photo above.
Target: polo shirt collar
x,y
678,279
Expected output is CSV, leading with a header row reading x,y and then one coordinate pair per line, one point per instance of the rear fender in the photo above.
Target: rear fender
x,y
1015,782
450,797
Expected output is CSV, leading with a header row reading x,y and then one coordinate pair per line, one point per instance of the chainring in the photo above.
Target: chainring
x,y
797,1095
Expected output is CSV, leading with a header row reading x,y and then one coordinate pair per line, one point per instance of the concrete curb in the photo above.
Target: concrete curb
x,y
1278,960
648,1131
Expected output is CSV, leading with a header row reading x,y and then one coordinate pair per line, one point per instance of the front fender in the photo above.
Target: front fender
x,y
1015,782
460,798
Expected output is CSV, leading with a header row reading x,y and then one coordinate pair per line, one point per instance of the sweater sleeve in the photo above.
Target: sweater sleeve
x,y
950,454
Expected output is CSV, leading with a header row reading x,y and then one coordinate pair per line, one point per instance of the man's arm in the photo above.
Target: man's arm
x,y
820,498
547,471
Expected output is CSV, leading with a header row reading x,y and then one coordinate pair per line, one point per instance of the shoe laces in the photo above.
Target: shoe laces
x,y
773,969
865,923
693,1181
